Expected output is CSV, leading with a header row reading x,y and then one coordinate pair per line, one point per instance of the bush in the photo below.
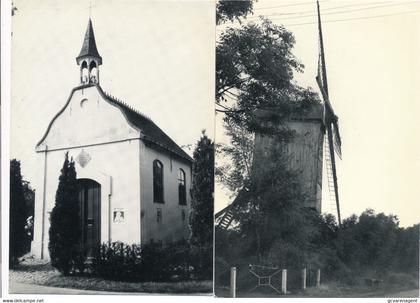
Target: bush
x,y
139,263
402,279
17,215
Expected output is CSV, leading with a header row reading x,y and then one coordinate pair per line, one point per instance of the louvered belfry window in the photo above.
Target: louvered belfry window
x,y
157,181
182,192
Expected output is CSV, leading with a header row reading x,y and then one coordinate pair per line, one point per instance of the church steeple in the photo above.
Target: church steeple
x,y
89,58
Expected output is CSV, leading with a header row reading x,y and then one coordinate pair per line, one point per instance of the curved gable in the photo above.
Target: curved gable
x,y
87,118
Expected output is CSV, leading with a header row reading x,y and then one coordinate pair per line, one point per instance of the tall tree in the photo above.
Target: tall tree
x,y
255,67
201,218
17,214
64,243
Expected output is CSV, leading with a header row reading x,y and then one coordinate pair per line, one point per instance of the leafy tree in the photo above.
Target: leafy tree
x,y
231,10
407,251
368,241
234,161
254,70
201,218
17,215
64,233
255,92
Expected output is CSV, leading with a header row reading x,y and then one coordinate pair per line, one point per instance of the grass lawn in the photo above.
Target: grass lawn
x,y
40,272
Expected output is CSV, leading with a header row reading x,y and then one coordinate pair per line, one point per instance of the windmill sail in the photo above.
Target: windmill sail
x,y
330,121
337,138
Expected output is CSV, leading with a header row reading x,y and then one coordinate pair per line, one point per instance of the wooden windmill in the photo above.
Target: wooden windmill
x,y
333,139
306,152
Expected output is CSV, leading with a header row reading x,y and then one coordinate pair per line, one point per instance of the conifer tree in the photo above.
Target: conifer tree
x,y
17,214
64,243
201,218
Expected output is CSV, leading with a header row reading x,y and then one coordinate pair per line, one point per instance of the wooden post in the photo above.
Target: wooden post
x,y
304,278
233,282
284,281
318,278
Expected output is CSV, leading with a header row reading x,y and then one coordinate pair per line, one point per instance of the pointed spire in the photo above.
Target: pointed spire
x,y
89,46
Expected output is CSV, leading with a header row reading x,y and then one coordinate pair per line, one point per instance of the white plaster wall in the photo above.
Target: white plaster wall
x,y
114,164
115,167
92,121
172,228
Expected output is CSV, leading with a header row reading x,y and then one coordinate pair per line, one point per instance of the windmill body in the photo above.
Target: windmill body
x,y
304,152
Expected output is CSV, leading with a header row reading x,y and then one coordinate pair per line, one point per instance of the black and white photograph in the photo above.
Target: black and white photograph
x,y
200,150
111,147
317,159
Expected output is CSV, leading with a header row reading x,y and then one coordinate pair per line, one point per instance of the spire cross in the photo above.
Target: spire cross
x,y
90,8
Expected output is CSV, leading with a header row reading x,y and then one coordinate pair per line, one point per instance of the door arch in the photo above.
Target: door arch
x,y
90,214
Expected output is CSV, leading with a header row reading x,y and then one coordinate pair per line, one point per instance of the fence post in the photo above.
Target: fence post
x,y
284,281
233,282
318,278
304,278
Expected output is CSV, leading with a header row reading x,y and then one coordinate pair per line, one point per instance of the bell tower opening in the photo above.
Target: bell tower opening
x,y
89,58
84,73
93,72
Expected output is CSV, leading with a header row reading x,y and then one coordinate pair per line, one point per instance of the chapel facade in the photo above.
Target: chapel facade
x,y
134,180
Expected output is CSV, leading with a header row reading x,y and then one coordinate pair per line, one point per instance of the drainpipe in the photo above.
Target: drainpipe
x,y
44,202
110,210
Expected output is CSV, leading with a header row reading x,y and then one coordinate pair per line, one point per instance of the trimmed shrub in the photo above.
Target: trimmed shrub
x,y
139,263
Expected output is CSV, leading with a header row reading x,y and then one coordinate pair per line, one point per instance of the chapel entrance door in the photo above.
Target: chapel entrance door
x,y
90,214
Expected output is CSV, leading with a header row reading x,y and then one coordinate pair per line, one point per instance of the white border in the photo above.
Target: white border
x,y
5,131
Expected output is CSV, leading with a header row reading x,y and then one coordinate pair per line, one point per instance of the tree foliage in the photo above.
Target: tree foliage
x,y
231,10
201,218
255,67
367,246
65,229
374,240
256,93
234,161
17,215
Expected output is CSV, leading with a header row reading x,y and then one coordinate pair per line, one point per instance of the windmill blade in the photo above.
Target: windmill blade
x,y
330,118
333,170
337,138
226,216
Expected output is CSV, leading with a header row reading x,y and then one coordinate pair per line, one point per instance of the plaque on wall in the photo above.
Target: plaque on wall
x,y
118,215
83,158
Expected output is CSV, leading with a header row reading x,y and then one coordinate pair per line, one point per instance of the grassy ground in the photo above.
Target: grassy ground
x,y
40,272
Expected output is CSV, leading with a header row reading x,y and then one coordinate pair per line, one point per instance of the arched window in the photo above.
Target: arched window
x,y
157,181
182,191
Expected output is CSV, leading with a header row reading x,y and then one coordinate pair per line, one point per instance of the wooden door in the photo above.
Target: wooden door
x,y
90,214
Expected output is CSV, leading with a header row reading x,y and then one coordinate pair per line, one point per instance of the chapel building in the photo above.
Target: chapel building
x,y
134,180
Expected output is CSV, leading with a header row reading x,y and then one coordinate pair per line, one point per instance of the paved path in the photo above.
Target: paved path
x,y
23,288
